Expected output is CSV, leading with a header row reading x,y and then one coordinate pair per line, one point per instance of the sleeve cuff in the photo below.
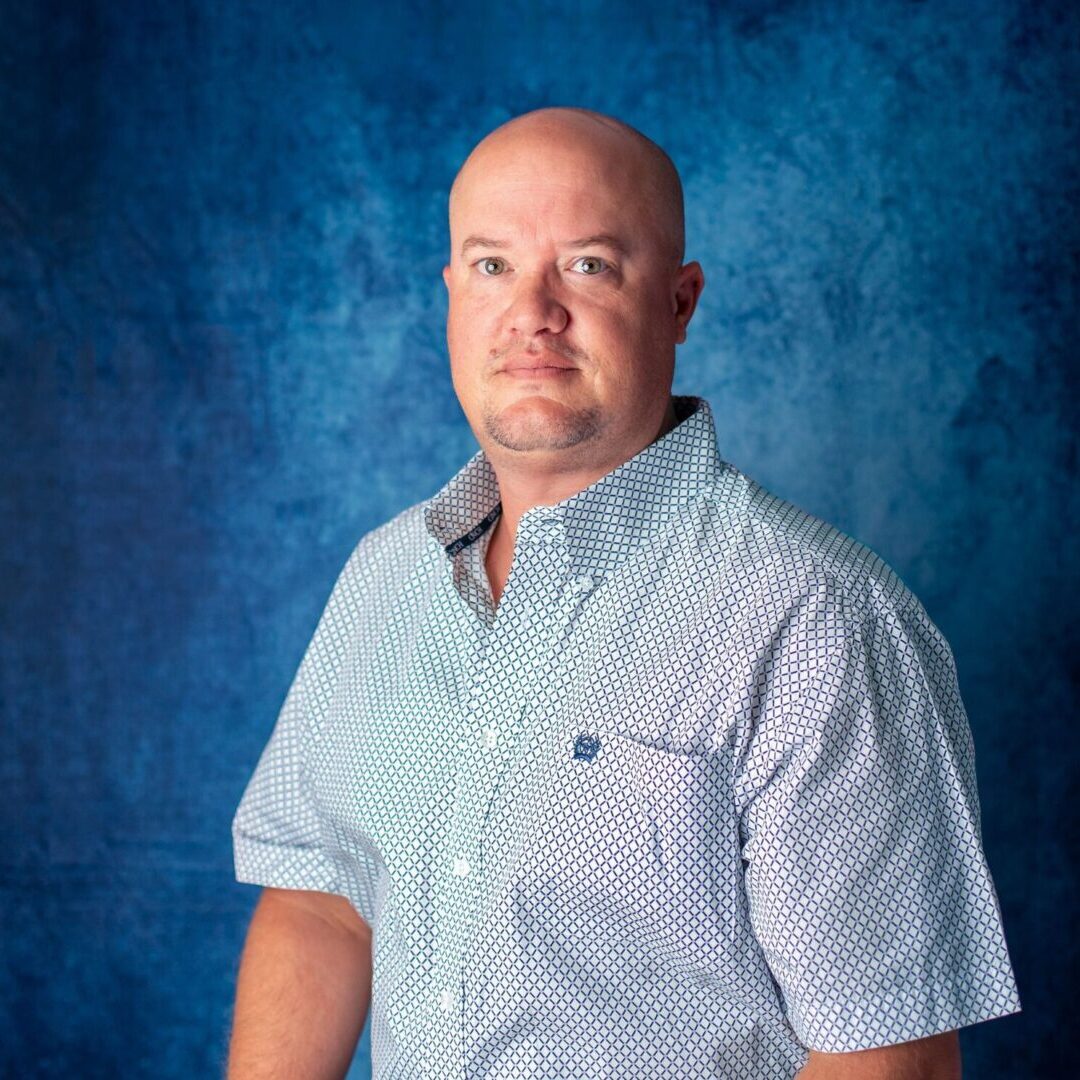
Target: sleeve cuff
x,y
913,1013
281,866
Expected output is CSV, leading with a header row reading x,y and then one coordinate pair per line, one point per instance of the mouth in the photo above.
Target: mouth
x,y
534,374
533,366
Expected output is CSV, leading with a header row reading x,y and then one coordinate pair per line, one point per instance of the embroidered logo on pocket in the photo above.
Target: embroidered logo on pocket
x,y
586,747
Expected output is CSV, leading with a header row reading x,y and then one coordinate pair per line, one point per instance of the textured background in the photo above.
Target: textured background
x,y
223,360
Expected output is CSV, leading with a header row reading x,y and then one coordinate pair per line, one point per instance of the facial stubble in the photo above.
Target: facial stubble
x,y
530,430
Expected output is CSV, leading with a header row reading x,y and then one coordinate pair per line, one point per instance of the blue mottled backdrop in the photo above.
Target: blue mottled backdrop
x,y
223,360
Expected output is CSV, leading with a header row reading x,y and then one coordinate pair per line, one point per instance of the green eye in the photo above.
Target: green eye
x,y
585,260
484,265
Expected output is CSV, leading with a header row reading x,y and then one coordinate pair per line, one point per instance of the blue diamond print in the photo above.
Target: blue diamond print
x,y
586,747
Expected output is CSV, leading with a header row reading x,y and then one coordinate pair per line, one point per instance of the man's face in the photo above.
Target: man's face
x,y
564,299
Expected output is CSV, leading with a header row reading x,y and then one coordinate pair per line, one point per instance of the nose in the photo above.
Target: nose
x,y
535,307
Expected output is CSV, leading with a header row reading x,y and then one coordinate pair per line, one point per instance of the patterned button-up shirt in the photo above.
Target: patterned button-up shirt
x,y
697,794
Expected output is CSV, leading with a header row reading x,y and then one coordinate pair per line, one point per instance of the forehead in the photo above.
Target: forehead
x,y
546,182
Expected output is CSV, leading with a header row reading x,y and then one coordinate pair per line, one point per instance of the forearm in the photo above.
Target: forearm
x,y
936,1057
302,991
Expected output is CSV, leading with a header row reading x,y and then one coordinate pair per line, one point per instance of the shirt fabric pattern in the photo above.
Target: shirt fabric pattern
x,y
697,794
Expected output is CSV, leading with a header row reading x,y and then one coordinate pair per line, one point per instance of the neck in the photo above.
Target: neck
x,y
523,486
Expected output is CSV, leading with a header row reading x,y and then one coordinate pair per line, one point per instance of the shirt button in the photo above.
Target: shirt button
x,y
490,738
461,867
579,586
446,1000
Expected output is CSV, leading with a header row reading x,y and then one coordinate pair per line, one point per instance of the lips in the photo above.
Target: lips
x,y
538,363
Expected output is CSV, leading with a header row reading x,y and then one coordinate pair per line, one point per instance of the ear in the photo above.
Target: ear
x,y
446,275
689,281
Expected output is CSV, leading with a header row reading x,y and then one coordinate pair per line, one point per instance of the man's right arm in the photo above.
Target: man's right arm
x,y
303,988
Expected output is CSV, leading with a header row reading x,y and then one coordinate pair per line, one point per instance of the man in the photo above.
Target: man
x,y
619,765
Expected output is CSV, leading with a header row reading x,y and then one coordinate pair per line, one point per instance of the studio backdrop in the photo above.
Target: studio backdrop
x,y
222,338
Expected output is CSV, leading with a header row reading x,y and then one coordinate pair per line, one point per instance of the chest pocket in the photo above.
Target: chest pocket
x,y
621,816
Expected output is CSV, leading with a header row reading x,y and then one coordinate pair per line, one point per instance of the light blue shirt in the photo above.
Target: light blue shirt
x,y
698,794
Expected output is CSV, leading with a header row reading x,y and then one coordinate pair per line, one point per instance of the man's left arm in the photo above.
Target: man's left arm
x,y
933,1058
867,885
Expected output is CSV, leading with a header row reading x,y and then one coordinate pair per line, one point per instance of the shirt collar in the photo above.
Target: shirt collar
x,y
604,522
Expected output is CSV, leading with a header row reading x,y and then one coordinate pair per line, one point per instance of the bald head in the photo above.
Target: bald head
x,y
614,151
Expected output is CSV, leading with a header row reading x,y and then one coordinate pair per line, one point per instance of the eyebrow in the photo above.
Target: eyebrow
x,y
598,240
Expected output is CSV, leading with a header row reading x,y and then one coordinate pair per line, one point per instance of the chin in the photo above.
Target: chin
x,y
537,422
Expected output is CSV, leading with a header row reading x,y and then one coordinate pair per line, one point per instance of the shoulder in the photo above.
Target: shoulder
x,y
777,554
385,561
389,555
392,545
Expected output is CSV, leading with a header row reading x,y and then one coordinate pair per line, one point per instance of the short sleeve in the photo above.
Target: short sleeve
x,y
277,833
867,885
280,836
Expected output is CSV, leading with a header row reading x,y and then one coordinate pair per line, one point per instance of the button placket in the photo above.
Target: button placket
x,y
517,651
